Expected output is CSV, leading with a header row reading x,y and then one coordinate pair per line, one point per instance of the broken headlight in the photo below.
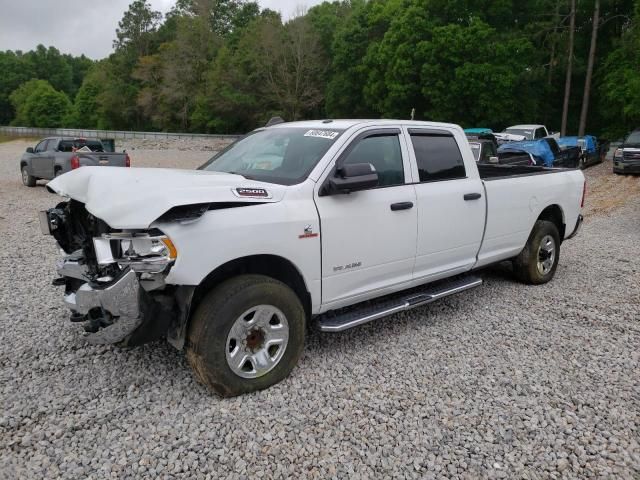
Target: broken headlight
x,y
142,251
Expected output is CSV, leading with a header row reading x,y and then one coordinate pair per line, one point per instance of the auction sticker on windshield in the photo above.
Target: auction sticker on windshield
x,y
328,134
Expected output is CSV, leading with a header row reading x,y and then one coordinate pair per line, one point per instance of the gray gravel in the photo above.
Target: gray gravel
x,y
505,381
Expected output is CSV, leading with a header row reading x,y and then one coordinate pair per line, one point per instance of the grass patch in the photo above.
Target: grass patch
x,y
11,138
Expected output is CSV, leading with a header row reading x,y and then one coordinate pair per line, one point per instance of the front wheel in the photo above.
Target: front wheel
x,y
247,334
538,260
27,180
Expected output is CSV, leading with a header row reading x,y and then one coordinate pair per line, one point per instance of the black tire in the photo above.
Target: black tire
x,y
27,180
219,310
531,266
57,172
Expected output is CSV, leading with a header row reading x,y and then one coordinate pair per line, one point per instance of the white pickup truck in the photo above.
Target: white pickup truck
x,y
328,223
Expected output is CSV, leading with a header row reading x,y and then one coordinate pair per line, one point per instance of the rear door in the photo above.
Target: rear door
x,y
369,236
451,204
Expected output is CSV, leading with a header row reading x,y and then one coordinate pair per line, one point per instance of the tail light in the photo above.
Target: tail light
x,y
75,162
584,193
127,160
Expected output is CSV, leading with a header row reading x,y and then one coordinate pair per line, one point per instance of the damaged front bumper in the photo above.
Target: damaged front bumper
x,y
117,303
131,309
112,308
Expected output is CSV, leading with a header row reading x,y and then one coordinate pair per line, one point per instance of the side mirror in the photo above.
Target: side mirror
x,y
29,149
494,160
350,178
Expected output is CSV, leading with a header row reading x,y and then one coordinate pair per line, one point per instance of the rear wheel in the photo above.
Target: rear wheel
x,y
538,260
247,334
27,180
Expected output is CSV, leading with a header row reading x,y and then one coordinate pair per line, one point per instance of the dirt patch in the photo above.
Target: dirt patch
x,y
606,191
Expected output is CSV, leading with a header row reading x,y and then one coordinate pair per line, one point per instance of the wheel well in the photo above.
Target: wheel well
x,y
553,213
23,164
269,265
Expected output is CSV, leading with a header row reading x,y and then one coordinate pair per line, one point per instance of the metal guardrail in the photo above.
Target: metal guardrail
x,y
117,134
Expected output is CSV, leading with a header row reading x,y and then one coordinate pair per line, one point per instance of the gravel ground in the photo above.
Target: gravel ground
x,y
504,381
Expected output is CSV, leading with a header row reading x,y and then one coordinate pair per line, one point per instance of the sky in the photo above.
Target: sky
x,y
84,26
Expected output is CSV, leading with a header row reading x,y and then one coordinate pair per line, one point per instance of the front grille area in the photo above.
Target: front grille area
x,y
631,156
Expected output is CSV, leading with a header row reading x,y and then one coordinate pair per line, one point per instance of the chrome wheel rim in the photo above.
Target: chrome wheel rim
x,y
257,341
25,176
546,254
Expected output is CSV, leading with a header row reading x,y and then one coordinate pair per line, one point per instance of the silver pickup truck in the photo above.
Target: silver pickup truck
x,y
57,155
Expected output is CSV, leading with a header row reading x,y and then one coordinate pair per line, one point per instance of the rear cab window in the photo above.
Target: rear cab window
x,y
437,155
71,145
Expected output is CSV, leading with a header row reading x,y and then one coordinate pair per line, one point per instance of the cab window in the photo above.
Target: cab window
x,y
438,156
41,147
384,153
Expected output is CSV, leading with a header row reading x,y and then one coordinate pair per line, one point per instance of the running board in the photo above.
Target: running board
x,y
354,316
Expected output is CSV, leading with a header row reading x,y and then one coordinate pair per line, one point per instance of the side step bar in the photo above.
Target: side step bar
x,y
354,316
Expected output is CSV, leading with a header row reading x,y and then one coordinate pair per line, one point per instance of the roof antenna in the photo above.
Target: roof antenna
x,y
274,121
413,112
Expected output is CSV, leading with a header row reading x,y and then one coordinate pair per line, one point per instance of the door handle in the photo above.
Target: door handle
x,y
472,196
401,206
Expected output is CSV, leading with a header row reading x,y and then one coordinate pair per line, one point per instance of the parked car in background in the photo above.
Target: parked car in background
x,y
565,157
57,155
626,158
530,132
592,150
484,147
545,151
334,222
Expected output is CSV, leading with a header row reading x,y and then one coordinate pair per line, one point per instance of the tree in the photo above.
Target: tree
x,y
173,78
48,64
134,32
620,88
567,84
15,71
463,68
592,57
38,104
86,110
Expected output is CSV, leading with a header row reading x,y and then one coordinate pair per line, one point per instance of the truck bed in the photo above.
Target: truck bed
x,y
496,172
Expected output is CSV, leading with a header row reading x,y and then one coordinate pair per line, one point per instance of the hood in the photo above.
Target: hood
x,y
135,197
510,137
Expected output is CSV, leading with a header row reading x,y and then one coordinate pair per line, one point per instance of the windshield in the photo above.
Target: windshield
x,y
284,155
475,148
633,138
520,131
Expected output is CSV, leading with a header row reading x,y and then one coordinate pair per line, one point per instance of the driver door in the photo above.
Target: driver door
x,y
369,236
42,161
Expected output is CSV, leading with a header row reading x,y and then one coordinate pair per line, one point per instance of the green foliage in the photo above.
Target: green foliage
x,y
38,104
620,88
227,66
15,71
134,35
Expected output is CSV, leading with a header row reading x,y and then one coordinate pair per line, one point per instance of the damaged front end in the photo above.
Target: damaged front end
x,y
114,279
